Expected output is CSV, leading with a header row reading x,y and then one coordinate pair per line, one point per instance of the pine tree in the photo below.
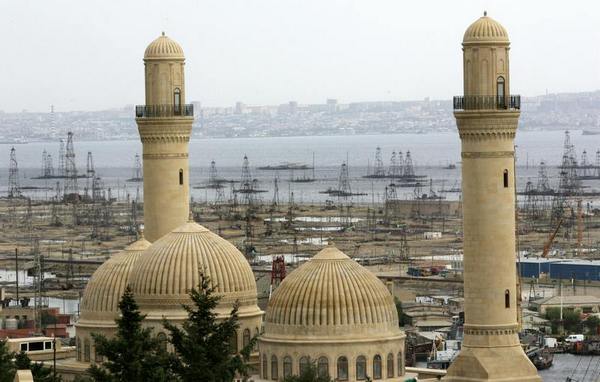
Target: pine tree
x,y
134,354
203,342
39,372
7,370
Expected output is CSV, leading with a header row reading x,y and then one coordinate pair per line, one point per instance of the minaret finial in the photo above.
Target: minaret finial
x,y
484,14
141,232
163,33
191,217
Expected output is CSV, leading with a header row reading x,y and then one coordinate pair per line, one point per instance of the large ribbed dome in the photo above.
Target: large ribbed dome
x,y
163,48
170,268
100,301
331,295
485,30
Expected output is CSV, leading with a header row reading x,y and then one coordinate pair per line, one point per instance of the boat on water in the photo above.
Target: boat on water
x,y
590,132
287,166
541,358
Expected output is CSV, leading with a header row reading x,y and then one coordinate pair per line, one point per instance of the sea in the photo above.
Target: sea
x,y
431,154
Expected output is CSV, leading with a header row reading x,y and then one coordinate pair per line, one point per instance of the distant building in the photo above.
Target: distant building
x,y
587,304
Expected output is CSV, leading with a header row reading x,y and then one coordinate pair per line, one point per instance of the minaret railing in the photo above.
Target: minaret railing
x,y
160,111
512,102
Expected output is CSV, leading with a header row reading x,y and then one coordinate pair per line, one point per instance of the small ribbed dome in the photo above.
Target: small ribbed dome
x,y
170,268
163,48
100,301
331,296
485,30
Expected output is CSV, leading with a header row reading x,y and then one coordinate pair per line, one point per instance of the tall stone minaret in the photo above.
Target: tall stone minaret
x,y
487,118
165,125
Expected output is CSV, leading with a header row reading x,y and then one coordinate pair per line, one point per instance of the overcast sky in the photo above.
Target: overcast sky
x,y
87,55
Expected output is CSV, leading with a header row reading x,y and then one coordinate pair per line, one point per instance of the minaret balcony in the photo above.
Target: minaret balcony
x,y
512,102
164,111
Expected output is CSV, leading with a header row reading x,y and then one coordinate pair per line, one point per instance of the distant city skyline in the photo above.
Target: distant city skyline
x,y
87,55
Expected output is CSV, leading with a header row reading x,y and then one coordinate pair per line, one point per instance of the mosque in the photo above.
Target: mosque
x,y
331,310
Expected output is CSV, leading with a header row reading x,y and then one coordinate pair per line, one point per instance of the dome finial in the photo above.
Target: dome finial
x,y
191,217
484,15
163,33
141,231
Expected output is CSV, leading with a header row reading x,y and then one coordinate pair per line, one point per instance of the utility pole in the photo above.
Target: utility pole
x,y
17,271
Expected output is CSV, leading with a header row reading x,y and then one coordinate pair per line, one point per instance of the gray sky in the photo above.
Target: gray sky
x,y
87,55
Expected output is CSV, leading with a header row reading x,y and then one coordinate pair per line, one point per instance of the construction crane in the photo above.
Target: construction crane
x,y
550,240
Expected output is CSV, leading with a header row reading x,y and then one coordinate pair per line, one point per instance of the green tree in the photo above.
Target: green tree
x,y
133,354
592,323
399,310
203,343
572,322
309,374
39,372
7,369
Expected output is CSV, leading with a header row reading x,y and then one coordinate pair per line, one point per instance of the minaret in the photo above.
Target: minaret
x,y
487,117
165,125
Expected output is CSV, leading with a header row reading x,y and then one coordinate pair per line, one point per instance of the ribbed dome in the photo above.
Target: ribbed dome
x,y
331,295
485,30
170,268
106,286
163,48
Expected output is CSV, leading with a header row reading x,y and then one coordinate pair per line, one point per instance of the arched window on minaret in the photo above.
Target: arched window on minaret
x,y
507,299
181,177
177,101
505,179
501,92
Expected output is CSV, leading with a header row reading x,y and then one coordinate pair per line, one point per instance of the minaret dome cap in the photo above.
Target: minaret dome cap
x,y
485,31
164,48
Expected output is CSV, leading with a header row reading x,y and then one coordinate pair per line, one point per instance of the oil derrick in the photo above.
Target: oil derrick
x,y
543,185
530,207
47,166
71,188
395,170
409,170
584,165
97,190
579,227
568,167
417,196
597,164
275,202
404,249
378,171
14,190
390,203
90,174
215,182
138,174
61,158
28,218
247,184
344,189
54,215
58,192
133,218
